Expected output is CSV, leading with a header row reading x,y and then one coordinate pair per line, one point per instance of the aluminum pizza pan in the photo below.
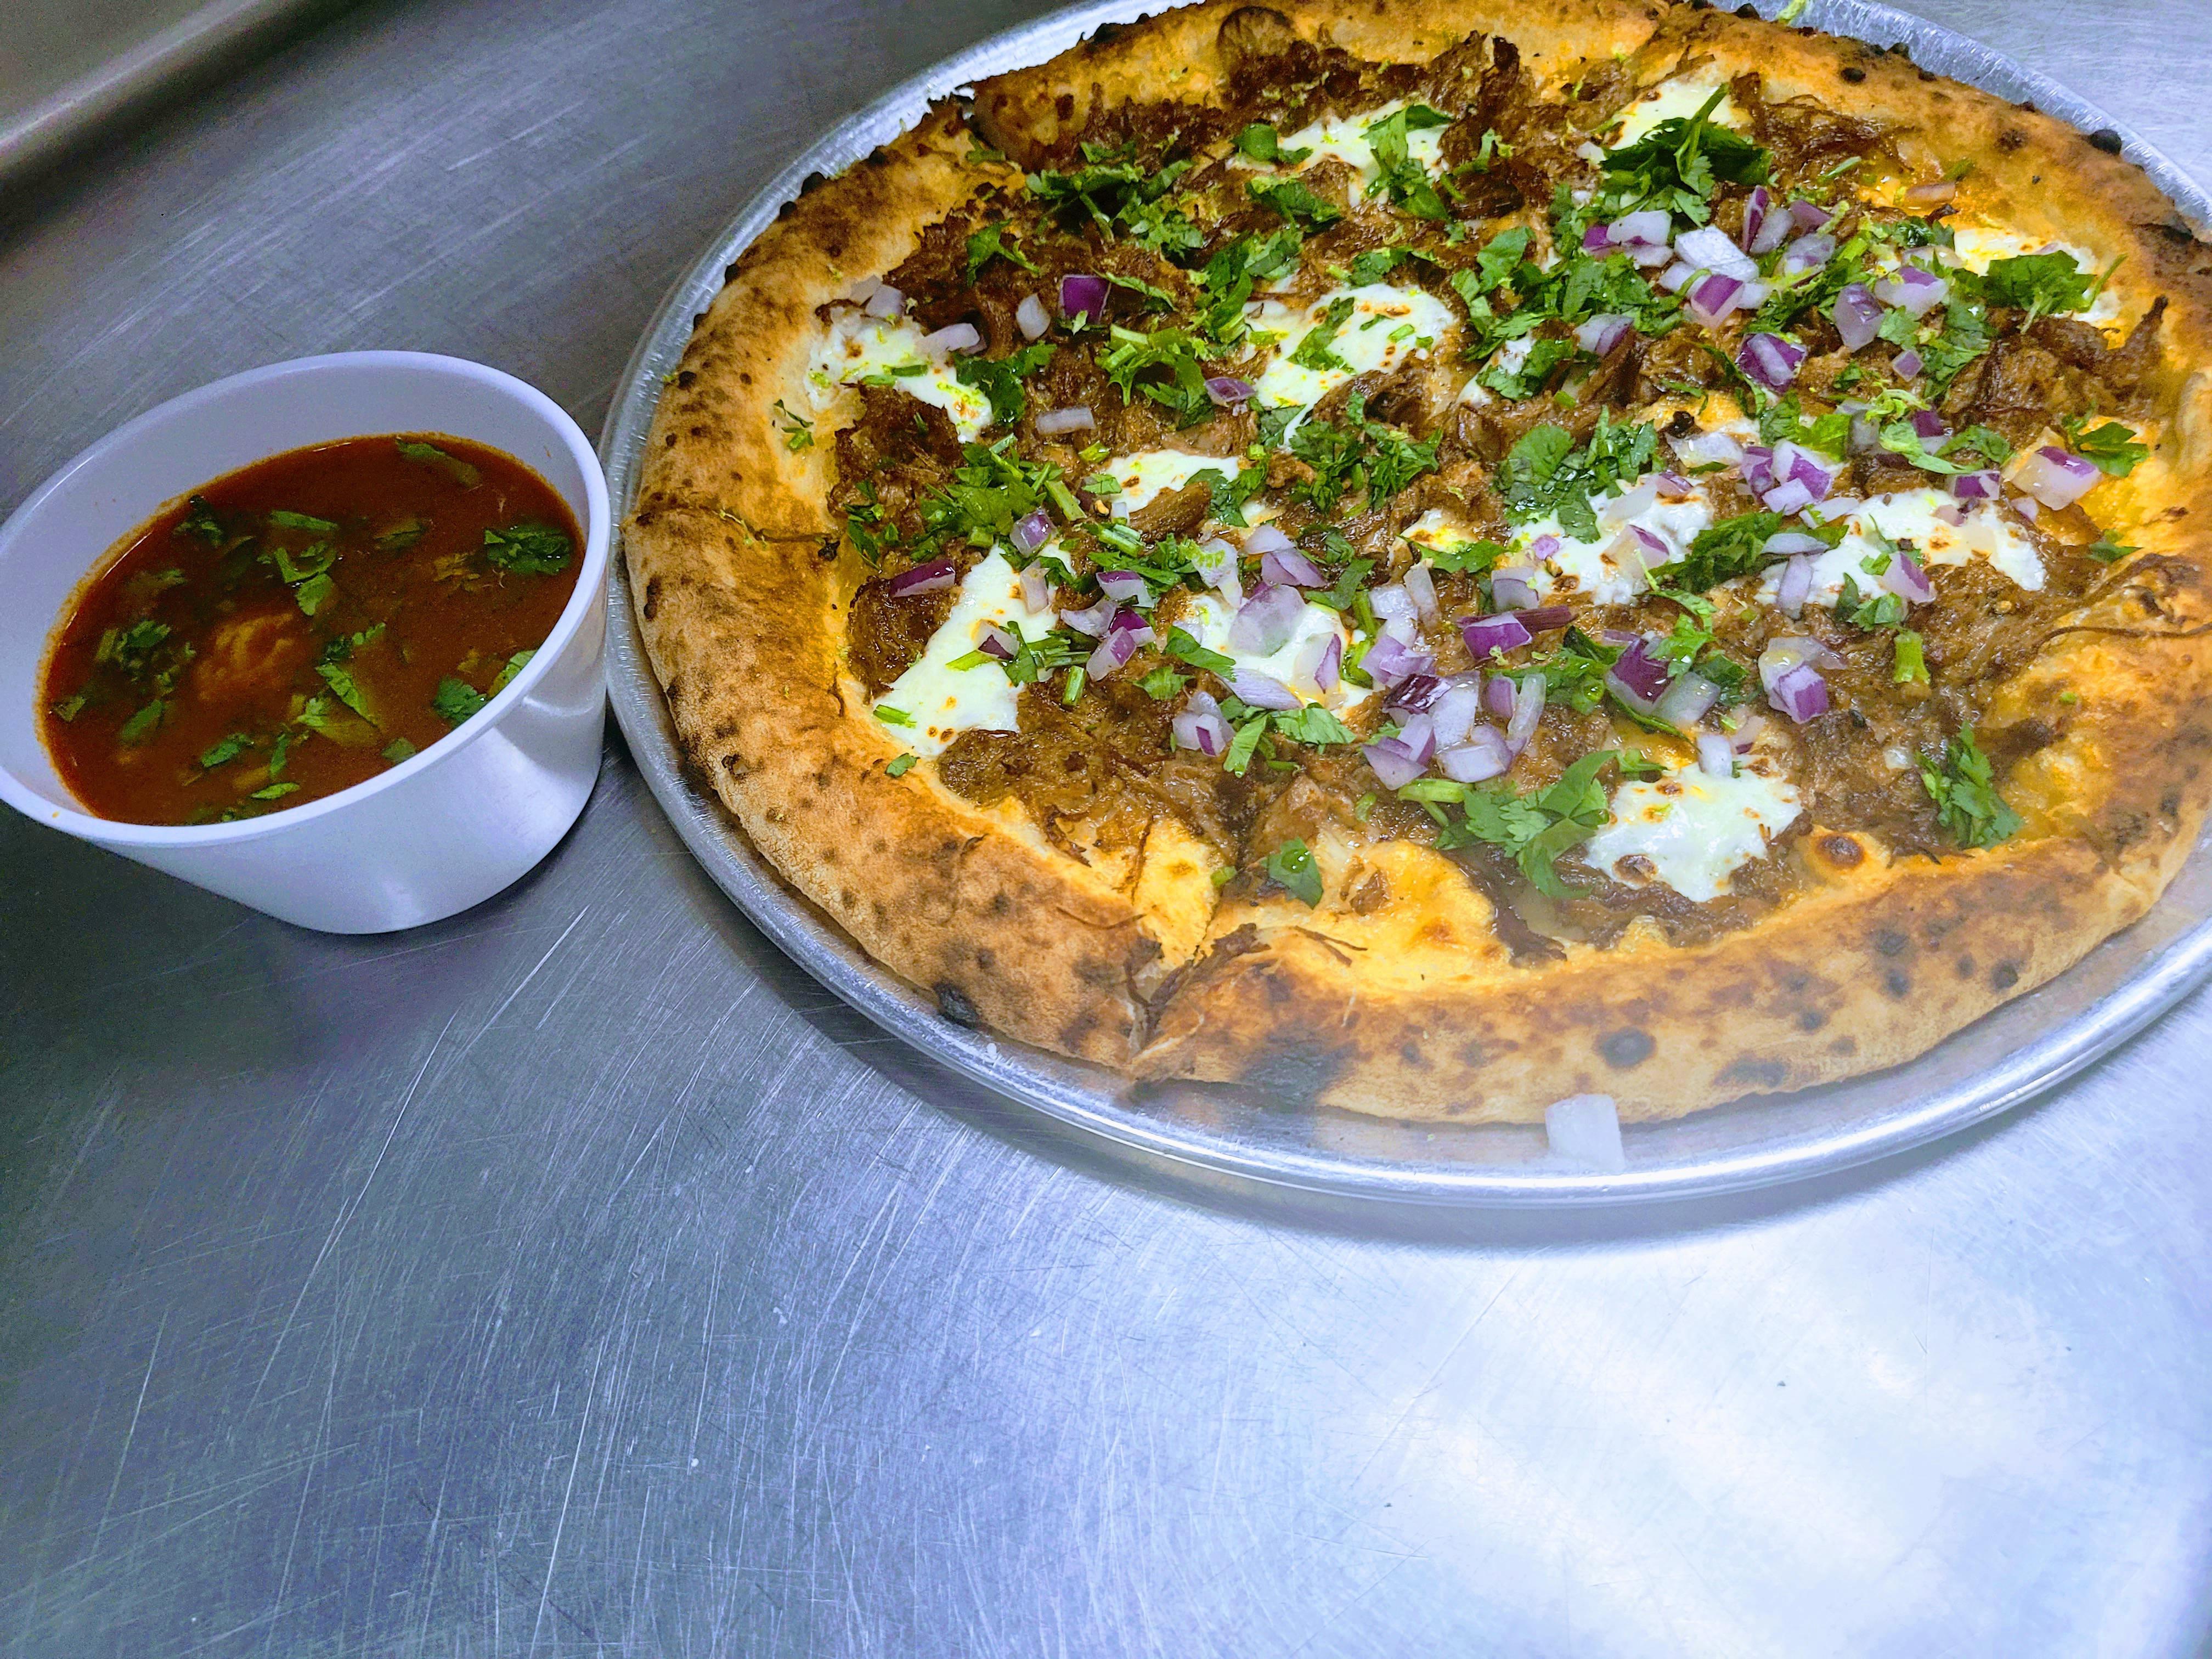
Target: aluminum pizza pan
x,y
2009,1057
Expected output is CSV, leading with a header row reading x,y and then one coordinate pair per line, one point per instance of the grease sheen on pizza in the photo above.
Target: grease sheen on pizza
x,y
1439,557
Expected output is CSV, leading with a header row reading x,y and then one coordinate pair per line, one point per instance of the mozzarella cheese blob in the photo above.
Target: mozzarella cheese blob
x,y
1695,830
1207,619
1386,326
943,701
1344,139
1910,515
1151,473
858,346
1681,98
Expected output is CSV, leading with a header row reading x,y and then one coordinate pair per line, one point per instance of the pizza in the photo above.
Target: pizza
x,y
1431,556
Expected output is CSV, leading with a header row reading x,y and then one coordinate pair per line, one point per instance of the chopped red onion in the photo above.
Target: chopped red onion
x,y
1707,448
1076,418
1749,723
1036,593
1092,620
1597,238
1808,253
1510,591
1650,226
1208,732
1584,1133
1031,318
1266,538
1545,547
1083,295
1416,693
1929,424
1676,275
1498,695
1484,635
1771,360
1912,290
1263,623
1640,675
2057,478
1857,315
1032,532
1758,463
1788,651
1787,497
1219,571
997,642
953,337
1710,299
1457,707
1391,661
1421,588
1715,755
1418,733
1802,694
1785,543
1290,568
1262,690
1809,215
1984,486
1227,391
922,579
1905,579
1687,701
1483,756
2027,506
1392,761
1795,585
1527,710
1908,363
1602,332
1123,586
1755,212
1544,618
1114,651
1809,472
885,301
1864,439
1674,483
1953,515
1709,247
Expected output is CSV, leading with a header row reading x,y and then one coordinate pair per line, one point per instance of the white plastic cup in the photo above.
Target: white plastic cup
x,y
443,829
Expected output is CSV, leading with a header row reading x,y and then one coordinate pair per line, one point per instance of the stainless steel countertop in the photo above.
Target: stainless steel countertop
x,y
576,1276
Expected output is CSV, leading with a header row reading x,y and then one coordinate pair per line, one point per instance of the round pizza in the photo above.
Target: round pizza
x,y
1436,556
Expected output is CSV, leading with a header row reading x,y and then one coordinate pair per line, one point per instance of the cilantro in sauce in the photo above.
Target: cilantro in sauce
x,y
1962,787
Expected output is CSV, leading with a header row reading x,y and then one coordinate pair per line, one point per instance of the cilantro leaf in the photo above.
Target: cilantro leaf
x,y
399,749
1734,547
899,766
1261,142
1966,801
457,701
199,520
142,724
1181,388
990,243
345,688
2041,284
1000,379
287,520
1405,178
1184,648
1294,202
1678,164
460,470
531,549
1291,867
222,753
513,666
2111,445
1315,724
1312,351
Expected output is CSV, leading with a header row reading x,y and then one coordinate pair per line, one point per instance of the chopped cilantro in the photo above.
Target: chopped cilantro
x,y
461,472
1966,801
513,666
891,716
1167,366
1164,683
990,243
1294,202
199,520
532,548
457,700
400,537
1313,724
142,724
222,753
2111,445
1000,379
399,749
1546,474
2108,550
345,688
276,792
314,593
1734,547
1241,747
1528,380
1261,142
900,766
1908,662
1291,867
2041,284
1313,352
798,431
1678,164
1185,649
284,520
1229,277
1398,173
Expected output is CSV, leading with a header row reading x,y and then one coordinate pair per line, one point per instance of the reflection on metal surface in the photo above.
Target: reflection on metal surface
x,y
2006,1058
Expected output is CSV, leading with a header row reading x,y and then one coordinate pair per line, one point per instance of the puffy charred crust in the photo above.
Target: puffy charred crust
x,y
943,896
714,441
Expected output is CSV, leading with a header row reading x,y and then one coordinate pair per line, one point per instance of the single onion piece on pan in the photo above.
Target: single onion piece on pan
x,y
1784,542
1929,424
1715,755
1083,295
1076,418
1912,290
1091,620
1456,709
1262,690
1756,206
1639,675
1263,623
1498,695
1389,662
885,301
954,336
1856,314
1786,651
1113,652
1602,332
1036,593
1031,318
1984,486
1527,710
1771,360
1509,590
1291,567
1392,761
1585,1130
1687,701
1905,579
1421,587
1483,756
2057,478
1907,363
1125,585
922,579
1796,584
1710,299
1032,532
1808,253
1710,246
1809,215
1268,539
1417,692
1227,391
1208,734
1802,694
1484,635
997,642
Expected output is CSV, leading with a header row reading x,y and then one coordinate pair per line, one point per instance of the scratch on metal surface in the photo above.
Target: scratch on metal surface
x,y
130,1434
553,1555
524,984
346,1213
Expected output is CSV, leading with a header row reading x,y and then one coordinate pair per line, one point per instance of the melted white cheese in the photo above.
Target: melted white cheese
x,y
1387,326
1344,139
1680,98
1696,829
857,345
1977,246
943,701
1910,515
1154,472
1676,523
1207,620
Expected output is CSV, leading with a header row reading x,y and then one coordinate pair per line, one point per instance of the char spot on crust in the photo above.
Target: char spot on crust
x,y
1841,851
1964,967
1810,1020
1064,106
1757,1074
1294,1072
1846,1046
1896,982
2010,139
1891,942
954,1005
2108,139
686,378
1854,74
652,605
1625,1049
2005,975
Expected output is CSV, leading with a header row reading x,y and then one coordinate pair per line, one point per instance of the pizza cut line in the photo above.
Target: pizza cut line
x,y
1437,558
